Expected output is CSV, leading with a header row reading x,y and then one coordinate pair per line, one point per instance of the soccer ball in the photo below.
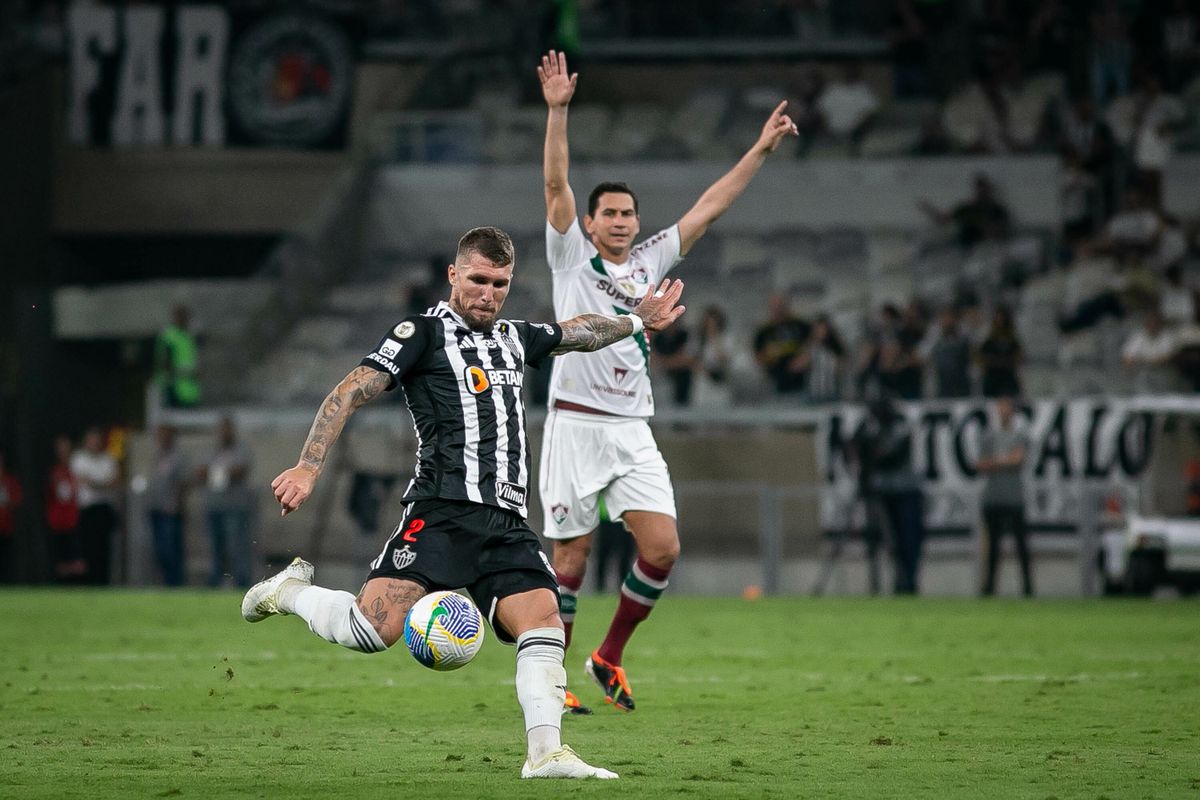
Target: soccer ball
x,y
443,631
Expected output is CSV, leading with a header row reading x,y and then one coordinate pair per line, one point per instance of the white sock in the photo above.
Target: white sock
x,y
334,616
541,687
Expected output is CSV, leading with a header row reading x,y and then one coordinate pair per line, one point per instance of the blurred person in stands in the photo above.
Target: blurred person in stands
x,y
1191,474
867,378
597,440
98,476
62,515
428,293
229,506
948,350
11,498
176,361
983,218
805,111
848,107
1002,452
886,452
1148,351
1000,356
1173,41
777,342
821,359
714,360
672,354
1157,115
1112,51
166,490
1086,141
1177,302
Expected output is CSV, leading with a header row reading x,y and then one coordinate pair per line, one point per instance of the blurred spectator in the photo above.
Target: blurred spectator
x,y
11,498
1000,355
778,341
1081,196
821,358
1177,302
1001,458
1147,351
1086,142
165,492
62,516
1187,354
1156,116
886,450
912,31
804,111
427,294
672,355
982,218
848,107
714,359
96,472
1172,40
1049,38
901,371
176,361
229,505
867,377
1112,51
948,350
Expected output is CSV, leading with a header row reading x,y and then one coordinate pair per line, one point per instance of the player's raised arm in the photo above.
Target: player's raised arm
x,y
293,486
590,332
558,86
717,199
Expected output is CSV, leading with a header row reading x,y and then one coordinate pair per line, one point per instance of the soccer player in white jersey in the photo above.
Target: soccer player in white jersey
x,y
597,440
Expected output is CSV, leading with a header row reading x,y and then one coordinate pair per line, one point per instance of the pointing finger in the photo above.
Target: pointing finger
x,y
779,108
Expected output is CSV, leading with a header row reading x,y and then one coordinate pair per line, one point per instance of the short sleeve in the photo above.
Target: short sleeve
x,y
401,348
659,253
538,339
565,251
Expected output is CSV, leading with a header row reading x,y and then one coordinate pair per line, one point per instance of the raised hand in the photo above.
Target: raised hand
x,y
778,125
558,86
658,309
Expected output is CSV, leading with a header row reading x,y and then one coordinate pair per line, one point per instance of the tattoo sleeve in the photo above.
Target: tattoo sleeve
x,y
590,332
361,386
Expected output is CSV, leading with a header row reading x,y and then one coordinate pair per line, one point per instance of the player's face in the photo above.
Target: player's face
x,y
615,224
478,288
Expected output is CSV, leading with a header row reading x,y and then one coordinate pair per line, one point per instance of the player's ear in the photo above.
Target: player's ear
x,y
451,274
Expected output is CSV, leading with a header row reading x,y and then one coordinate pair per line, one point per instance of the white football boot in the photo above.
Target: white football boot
x,y
262,600
564,763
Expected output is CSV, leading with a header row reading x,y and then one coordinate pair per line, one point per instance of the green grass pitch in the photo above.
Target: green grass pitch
x,y
150,694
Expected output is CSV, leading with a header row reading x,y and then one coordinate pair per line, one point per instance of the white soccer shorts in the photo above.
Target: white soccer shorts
x,y
586,455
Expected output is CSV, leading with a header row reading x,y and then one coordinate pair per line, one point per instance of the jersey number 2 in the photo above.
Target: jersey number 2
x,y
413,528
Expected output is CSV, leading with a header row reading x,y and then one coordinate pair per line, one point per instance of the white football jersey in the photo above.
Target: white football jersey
x,y
617,378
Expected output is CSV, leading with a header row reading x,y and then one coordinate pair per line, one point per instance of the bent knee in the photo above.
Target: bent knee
x,y
662,554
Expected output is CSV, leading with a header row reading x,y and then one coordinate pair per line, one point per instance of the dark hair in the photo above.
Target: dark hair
x,y
613,187
492,243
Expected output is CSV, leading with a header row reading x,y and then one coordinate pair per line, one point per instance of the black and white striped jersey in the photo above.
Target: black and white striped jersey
x,y
464,392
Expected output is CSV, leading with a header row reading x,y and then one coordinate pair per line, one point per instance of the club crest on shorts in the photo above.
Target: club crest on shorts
x,y
559,513
403,558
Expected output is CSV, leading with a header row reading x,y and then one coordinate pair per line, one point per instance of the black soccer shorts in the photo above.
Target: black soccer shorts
x,y
455,544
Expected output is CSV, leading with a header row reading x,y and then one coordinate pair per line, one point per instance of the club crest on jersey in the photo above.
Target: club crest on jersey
x,y
403,557
404,330
558,512
639,275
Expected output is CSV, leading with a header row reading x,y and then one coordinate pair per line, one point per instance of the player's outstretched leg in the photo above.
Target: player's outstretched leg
x,y
570,565
332,615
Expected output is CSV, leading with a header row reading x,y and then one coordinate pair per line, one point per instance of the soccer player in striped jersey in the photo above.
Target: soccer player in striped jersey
x,y
461,368
597,440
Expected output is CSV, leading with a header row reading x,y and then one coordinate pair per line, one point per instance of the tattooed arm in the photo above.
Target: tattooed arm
x,y
362,385
589,332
